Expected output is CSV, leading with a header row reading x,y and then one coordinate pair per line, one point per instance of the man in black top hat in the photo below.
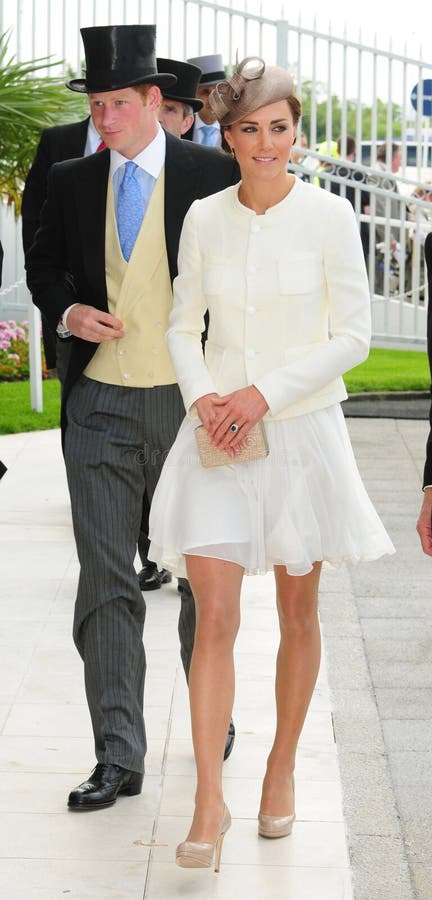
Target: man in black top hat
x,y
179,102
101,269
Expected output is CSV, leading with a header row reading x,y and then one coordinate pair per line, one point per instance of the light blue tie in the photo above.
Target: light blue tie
x,y
208,132
130,209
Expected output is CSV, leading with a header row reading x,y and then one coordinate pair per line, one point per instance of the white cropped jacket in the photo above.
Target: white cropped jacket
x,y
287,294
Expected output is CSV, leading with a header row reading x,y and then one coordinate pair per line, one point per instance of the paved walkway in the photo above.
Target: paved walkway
x,y
375,698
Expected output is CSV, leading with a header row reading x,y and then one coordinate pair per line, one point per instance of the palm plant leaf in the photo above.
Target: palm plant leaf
x,y
28,103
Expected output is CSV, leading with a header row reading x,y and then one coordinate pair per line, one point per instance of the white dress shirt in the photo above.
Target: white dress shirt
x,y
198,134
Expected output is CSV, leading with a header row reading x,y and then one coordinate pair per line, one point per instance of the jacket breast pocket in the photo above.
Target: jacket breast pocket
x,y
300,274
214,274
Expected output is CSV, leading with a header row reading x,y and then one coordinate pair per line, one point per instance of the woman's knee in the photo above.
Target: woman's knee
x,y
297,599
217,620
297,610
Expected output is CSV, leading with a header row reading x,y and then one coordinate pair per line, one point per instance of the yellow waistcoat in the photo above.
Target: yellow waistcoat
x,y
140,295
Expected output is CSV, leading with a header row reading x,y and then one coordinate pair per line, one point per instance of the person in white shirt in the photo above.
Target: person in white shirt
x,y
279,265
206,129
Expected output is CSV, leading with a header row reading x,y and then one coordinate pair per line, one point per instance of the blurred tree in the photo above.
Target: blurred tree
x,y
28,103
351,108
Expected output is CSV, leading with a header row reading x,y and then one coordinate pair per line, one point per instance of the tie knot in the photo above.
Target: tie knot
x,y
130,169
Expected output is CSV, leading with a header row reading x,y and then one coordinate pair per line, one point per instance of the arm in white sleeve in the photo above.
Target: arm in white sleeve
x,y
348,299
186,322
62,329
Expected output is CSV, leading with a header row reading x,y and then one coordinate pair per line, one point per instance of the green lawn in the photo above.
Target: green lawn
x,y
384,370
390,370
15,412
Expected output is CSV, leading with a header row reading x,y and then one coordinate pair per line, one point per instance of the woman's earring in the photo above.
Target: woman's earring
x,y
233,153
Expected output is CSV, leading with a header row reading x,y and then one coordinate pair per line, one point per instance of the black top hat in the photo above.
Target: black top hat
x,y
188,78
119,56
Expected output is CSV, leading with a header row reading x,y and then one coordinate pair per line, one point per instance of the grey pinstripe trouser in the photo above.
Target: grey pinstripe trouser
x,y
116,442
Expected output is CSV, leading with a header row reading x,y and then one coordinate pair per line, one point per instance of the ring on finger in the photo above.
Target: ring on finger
x,y
234,428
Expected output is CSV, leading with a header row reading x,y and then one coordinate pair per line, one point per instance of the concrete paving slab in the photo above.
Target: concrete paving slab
x,y
412,734
380,869
404,703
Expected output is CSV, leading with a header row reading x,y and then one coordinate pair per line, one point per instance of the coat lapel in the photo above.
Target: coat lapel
x,y
91,198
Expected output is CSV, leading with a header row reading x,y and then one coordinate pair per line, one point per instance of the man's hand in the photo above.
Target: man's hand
x,y
424,522
92,324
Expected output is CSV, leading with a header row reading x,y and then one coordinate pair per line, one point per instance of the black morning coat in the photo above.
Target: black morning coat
x,y
66,263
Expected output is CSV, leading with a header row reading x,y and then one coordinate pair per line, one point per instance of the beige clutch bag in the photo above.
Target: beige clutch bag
x,y
256,448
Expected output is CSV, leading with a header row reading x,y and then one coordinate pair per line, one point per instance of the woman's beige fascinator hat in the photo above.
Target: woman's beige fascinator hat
x,y
252,85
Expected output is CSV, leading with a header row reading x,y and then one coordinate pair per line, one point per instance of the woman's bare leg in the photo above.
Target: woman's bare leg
x,y
216,586
297,668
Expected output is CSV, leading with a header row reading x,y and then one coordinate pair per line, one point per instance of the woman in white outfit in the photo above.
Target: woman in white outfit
x,y
279,265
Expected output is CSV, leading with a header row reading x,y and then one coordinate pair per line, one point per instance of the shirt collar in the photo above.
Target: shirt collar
x,y
151,159
93,138
199,122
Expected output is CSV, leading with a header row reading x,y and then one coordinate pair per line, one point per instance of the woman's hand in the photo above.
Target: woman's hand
x,y
206,409
244,408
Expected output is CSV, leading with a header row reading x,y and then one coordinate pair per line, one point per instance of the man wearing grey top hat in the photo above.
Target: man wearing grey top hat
x,y
206,128
101,269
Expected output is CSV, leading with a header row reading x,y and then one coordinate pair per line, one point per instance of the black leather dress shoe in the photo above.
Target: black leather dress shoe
x,y
151,579
230,740
104,785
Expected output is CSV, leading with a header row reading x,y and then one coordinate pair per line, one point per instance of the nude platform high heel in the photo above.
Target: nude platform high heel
x,y
198,855
275,826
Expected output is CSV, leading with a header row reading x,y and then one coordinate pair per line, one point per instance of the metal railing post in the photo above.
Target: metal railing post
x,y
282,43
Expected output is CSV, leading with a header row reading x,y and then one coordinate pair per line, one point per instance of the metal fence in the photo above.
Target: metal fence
x,y
348,87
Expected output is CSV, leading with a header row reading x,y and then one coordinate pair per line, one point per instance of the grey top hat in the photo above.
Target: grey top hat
x,y
211,66
119,56
188,78
249,88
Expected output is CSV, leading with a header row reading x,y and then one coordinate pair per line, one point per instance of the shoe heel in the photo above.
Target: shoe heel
x,y
218,851
134,786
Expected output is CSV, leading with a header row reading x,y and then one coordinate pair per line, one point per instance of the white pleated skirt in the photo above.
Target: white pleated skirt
x,y
305,502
